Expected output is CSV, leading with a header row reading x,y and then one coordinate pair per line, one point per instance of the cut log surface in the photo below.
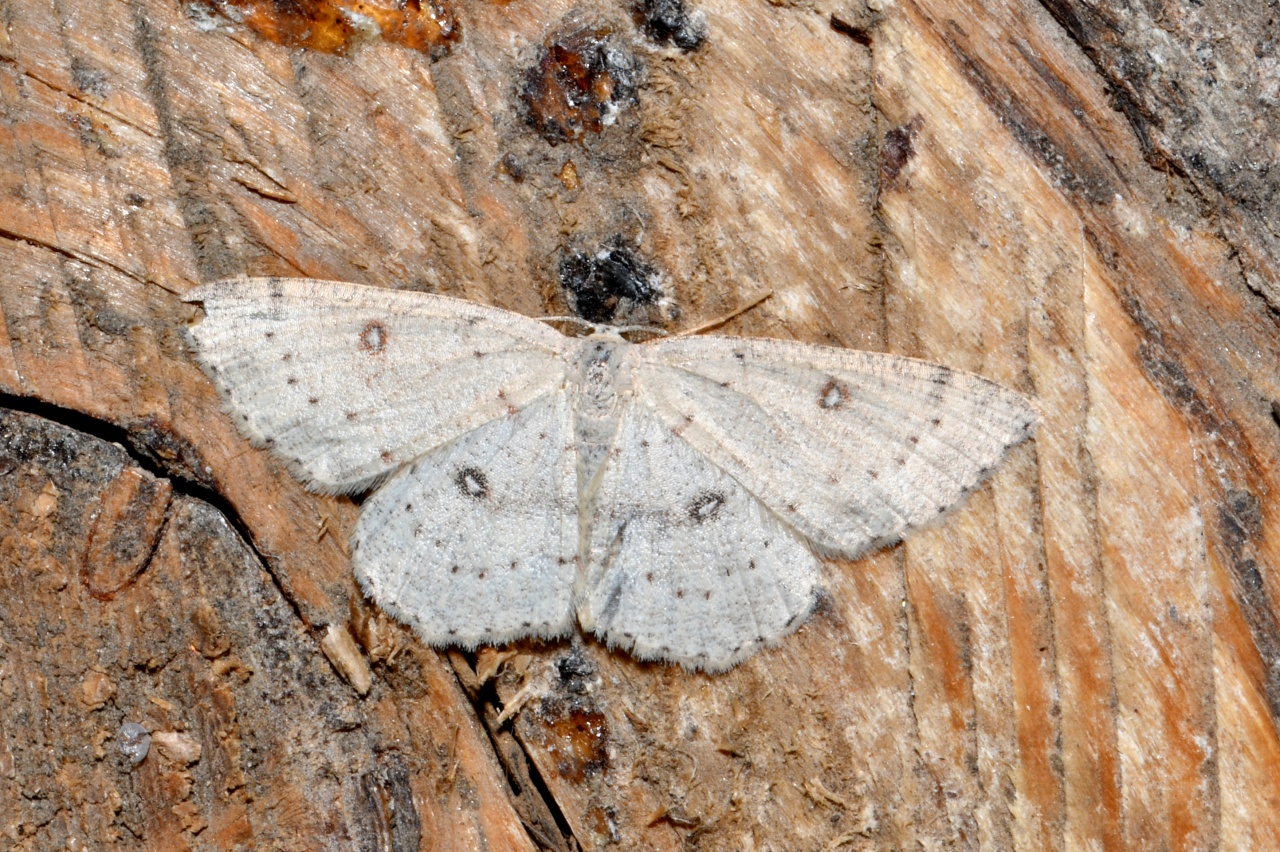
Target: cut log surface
x,y
1072,199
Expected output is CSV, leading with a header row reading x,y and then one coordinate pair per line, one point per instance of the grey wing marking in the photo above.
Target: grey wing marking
x,y
477,542
851,448
349,382
683,563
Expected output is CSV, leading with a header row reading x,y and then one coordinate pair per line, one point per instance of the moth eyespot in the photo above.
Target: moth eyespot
x,y
705,506
833,395
472,483
373,338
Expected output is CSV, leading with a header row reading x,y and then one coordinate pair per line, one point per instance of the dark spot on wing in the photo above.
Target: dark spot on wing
x,y
833,395
706,596
292,380
408,507
648,577
943,377
288,356
705,506
935,422
352,415
472,483
900,461
373,339
315,400
387,456
914,439
679,593
737,353
454,569
269,334
482,574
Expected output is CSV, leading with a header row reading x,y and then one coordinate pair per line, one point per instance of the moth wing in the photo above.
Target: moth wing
x,y
348,382
683,563
850,448
477,542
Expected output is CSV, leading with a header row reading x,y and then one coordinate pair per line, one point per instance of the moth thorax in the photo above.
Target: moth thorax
x,y
597,401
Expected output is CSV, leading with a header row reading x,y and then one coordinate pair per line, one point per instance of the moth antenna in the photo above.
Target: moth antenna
x,y
736,312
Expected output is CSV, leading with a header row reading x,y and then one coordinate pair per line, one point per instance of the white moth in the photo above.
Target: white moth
x,y
671,495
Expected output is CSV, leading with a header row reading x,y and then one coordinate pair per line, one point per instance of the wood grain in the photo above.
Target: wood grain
x,y
1084,655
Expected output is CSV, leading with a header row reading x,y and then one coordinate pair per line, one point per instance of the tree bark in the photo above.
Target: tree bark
x,y
1072,199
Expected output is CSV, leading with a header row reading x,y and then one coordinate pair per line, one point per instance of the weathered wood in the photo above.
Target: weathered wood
x,y
1085,654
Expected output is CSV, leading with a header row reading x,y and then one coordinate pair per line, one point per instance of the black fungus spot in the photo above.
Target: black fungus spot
x,y
832,395
373,339
579,84
472,483
668,22
601,284
898,149
705,506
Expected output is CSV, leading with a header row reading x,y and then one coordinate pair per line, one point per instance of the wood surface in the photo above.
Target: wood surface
x,y
1070,198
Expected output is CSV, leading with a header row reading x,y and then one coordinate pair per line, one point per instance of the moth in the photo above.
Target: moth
x,y
672,497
